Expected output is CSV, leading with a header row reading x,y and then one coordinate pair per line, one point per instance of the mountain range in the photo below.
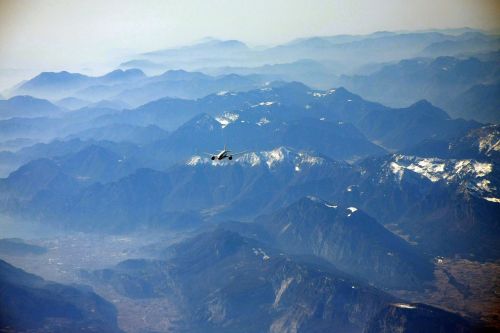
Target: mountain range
x,y
128,88
463,87
225,282
280,114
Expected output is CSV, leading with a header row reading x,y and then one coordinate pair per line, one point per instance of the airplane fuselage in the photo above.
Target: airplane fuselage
x,y
222,155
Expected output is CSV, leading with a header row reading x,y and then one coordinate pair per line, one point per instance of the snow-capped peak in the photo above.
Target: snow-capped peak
x,y
436,169
263,121
351,210
268,103
227,118
194,160
274,156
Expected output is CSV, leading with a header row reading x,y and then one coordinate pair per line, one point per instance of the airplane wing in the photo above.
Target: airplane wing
x,y
240,153
209,154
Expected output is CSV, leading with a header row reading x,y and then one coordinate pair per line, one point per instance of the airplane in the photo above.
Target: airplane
x,y
225,153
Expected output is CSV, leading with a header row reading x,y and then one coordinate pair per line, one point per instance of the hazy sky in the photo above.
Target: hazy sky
x,y
56,35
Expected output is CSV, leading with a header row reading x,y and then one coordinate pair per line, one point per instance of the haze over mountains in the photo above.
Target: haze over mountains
x,y
366,184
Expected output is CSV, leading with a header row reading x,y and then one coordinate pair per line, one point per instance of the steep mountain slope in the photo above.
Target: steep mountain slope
x,y
479,102
351,240
29,303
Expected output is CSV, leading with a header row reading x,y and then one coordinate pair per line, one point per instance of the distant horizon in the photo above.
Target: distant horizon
x,y
93,35
99,71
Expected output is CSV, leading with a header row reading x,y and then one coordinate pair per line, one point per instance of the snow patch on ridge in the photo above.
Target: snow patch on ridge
x,y
469,175
319,94
227,118
195,160
404,306
268,103
263,121
352,210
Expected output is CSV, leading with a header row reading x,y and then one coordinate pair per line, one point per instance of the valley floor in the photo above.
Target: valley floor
x,y
469,287
69,255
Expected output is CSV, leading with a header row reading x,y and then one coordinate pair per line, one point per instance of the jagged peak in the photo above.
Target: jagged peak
x,y
425,107
474,177
422,103
120,73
